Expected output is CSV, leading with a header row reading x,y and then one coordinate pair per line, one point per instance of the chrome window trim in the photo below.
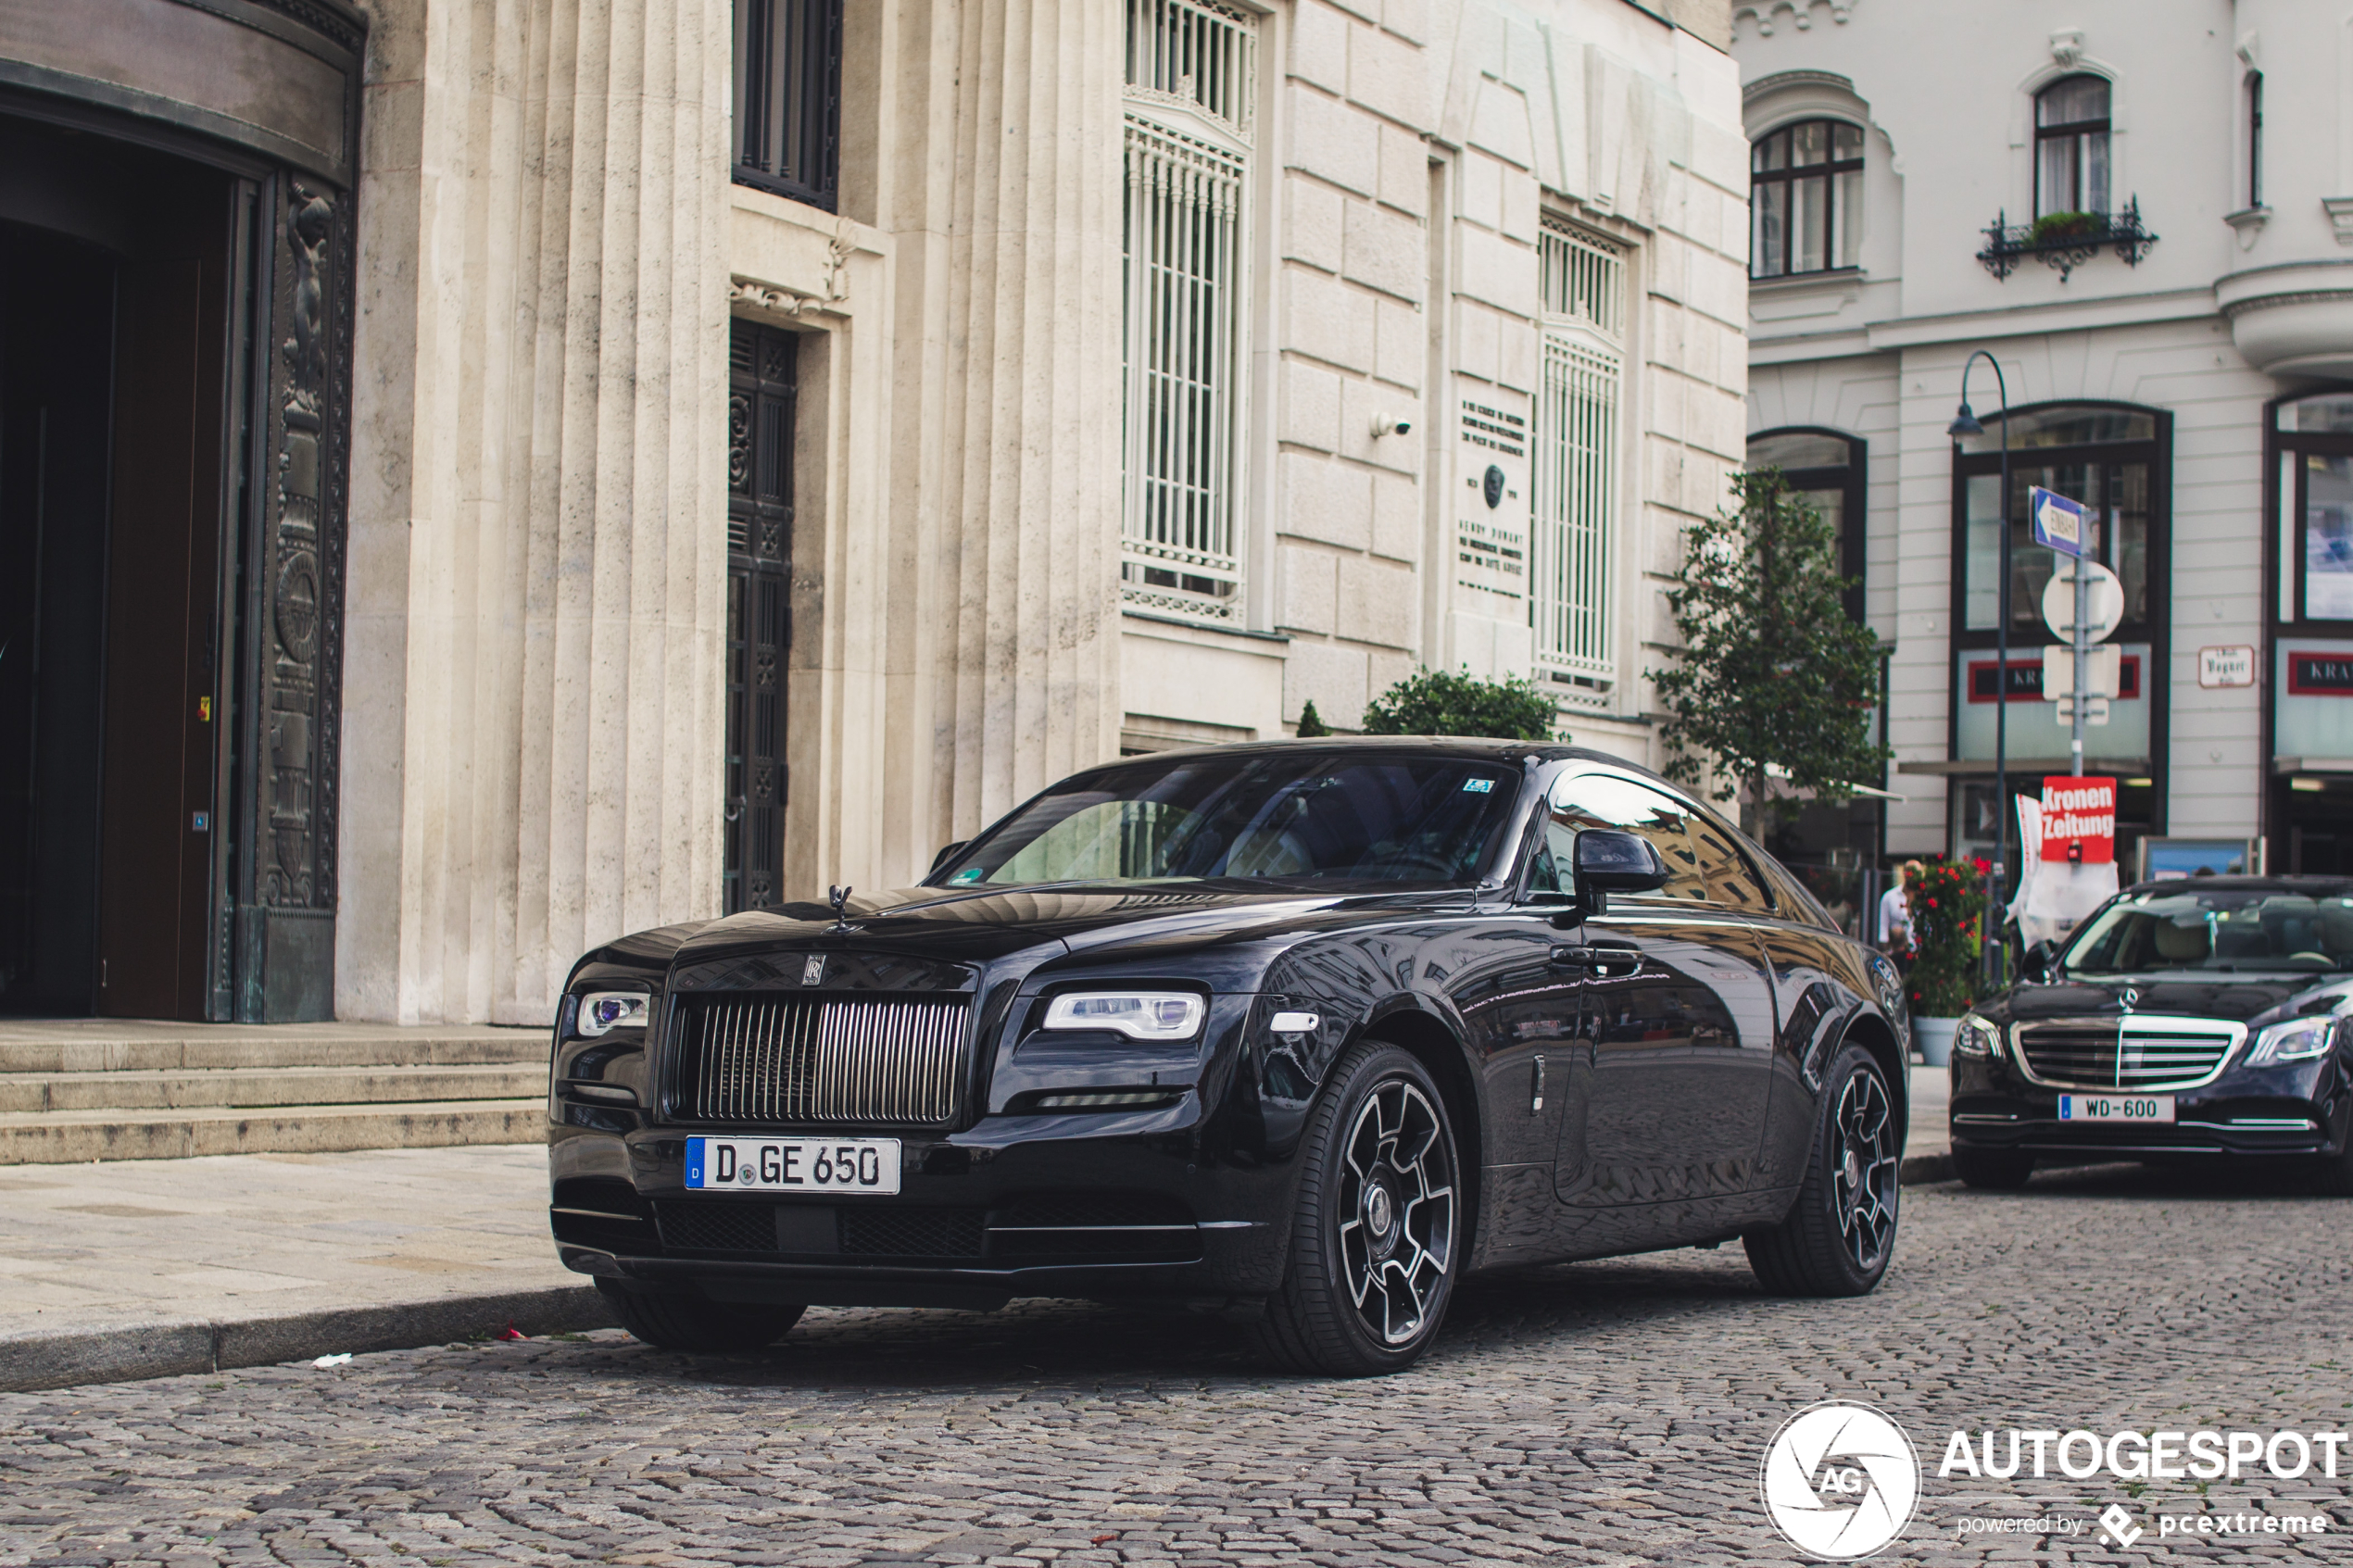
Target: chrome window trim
x,y
2146,1023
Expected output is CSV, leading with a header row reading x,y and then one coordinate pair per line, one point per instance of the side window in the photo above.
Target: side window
x,y
1730,876
1549,875
1598,800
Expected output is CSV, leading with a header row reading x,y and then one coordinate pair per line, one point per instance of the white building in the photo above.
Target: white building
x,y
661,457
2177,358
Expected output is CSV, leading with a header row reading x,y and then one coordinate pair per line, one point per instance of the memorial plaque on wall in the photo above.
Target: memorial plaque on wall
x,y
1490,486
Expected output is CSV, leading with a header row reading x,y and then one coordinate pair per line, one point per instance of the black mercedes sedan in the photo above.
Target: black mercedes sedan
x,y
2189,1019
1297,1033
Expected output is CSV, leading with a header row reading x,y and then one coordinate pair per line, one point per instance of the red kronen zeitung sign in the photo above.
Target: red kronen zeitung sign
x,y
2079,820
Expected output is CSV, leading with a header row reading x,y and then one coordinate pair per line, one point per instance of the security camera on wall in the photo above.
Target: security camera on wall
x,y
1388,424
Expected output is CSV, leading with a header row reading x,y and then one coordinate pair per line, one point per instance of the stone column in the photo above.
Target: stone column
x,y
533,734
1004,200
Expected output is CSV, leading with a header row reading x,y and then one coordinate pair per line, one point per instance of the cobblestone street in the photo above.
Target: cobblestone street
x,y
1596,1414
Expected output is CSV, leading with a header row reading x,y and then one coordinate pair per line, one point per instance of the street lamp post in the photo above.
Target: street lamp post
x,y
1966,423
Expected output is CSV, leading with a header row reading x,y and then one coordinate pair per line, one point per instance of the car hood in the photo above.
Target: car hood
x,y
973,926
2240,998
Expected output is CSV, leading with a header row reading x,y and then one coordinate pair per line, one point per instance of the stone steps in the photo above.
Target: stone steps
x,y
83,1089
70,1137
140,1090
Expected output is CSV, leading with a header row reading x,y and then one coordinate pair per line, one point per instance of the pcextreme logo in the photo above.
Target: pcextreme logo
x,y
1840,1480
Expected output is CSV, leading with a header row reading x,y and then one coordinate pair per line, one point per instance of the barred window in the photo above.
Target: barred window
x,y
1190,76
1582,390
787,98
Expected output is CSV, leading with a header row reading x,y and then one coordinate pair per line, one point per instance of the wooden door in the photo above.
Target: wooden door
x,y
155,875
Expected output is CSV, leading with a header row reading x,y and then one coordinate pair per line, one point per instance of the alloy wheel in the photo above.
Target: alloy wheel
x,y
1864,1173
1396,1210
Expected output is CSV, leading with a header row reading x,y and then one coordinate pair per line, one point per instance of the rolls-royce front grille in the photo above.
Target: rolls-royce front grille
x,y
824,1059
2130,1053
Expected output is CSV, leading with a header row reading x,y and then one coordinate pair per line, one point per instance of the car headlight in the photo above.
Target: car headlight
x,y
2295,1039
1977,1036
1140,1015
601,1012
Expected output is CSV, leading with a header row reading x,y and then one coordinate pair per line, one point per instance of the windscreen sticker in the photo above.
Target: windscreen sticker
x,y
1477,786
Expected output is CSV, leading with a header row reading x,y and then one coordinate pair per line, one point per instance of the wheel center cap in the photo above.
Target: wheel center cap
x,y
1380,1210
1852,1167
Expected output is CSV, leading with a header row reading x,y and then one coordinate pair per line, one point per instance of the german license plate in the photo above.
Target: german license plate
x,y
851,1165
2116,1107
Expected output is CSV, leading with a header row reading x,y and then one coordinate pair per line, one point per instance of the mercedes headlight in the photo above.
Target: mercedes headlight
x,y
1140,1015
2295,1039
601,1012
1977,1036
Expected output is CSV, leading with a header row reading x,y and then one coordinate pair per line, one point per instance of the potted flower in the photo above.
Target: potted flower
x,y
2055,228
1947,902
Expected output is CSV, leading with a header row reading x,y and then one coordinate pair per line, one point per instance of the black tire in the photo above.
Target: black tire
x,y
2331,1175
1370,1276
1840,1234
1994,1169
691,1324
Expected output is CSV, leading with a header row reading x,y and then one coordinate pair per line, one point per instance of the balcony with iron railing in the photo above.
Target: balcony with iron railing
x,y
2065,240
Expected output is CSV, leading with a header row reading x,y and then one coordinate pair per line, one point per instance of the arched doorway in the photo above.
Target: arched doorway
x,y
175,250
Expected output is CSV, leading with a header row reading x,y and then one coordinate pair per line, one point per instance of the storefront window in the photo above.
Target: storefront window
x,y
2115,460
1834,848
2310,660
2114,480
1828,470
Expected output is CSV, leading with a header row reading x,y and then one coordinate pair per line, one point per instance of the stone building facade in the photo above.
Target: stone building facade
x,y
782,434
2142,213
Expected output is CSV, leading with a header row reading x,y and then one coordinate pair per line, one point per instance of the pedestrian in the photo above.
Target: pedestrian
x,y
1895,917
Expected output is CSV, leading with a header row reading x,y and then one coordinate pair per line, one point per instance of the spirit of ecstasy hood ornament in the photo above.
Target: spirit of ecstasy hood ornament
x,y
839,898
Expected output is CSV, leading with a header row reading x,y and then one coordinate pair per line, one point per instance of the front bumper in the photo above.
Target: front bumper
x,y
1094,1204
2298,1109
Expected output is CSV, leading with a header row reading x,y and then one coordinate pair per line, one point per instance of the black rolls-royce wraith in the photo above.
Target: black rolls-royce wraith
x,y
2201,1018
1300,1033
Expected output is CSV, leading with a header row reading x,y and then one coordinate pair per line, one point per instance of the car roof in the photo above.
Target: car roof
x,y
2310,886
1469,746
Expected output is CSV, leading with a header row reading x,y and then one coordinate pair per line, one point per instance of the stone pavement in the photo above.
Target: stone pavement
x,y
129,1267
137,1268
1595,1413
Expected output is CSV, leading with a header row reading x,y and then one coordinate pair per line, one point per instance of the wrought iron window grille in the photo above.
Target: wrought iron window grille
x,y
787,98
2065,240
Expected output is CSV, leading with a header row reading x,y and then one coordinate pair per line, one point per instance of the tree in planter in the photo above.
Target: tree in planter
x,y
1311,724
1434,702
1772,673
1947,902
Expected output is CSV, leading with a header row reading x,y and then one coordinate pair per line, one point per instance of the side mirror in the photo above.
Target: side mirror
x,y
947,853
1610,861
2041,961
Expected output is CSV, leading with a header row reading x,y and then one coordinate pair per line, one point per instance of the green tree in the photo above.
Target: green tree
x,y
1434,702
1311,724
1773,671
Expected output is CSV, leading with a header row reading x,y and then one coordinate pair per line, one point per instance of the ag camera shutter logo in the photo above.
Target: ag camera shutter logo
x,y
1840,1480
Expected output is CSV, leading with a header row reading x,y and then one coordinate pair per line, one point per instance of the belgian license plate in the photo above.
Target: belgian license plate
x,y
850,1165
2116,1107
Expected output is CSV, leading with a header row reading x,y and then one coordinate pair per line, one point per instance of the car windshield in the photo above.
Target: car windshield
x,y
2227,929
1284,817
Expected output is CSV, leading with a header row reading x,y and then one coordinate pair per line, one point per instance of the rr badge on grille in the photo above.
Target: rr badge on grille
x,y
813,970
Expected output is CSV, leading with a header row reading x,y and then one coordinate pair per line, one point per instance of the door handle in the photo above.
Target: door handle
x,y
1602,958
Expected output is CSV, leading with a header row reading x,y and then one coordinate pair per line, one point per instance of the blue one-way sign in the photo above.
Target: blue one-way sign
x,y
2058,522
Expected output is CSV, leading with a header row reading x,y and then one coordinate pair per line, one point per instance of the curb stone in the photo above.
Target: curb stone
x,y
171,1347
39,1359
1919,1170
